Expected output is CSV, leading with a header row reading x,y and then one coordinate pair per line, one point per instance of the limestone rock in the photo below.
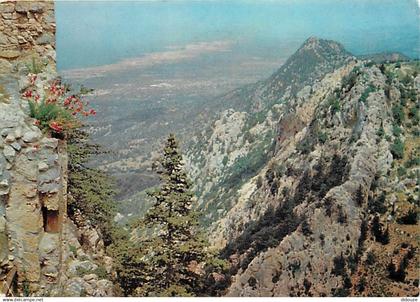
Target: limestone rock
x,y
74,287
9,153
31,137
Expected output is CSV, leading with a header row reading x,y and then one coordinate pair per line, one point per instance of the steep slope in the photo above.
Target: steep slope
x,y
335,227
301,192
243,138
315,58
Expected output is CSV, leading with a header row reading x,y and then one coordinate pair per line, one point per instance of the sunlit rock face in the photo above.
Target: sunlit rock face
x,y
308,171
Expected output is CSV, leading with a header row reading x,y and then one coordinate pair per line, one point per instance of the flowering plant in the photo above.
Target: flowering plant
x,y
53,107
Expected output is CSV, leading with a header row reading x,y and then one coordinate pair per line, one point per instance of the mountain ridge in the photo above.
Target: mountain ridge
x,y
296,163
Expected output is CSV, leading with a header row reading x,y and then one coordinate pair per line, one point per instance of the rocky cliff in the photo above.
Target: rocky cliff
x,y
42,252
308,184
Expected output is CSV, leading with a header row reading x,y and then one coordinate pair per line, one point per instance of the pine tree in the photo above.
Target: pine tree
x,y
175,253
91,191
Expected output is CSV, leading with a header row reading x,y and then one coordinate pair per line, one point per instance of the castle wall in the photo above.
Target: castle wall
x,y
33,166
26,27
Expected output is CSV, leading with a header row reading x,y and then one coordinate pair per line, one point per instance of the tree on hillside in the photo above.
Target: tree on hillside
x,y
178,244
91,191
172,259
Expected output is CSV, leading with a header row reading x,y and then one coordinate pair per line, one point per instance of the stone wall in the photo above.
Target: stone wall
x,y
33,166
26,28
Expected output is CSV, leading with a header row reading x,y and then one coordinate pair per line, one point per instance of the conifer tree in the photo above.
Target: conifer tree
x,y
171,258
91,191
176,251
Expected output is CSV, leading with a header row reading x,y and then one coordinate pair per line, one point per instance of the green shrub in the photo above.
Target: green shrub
x,y
322,137
397,149
398,114
412,161
73,249
366,93
81,271
396,130
304,146
35,67
101,272
380,132
52,107
414,114
334,105
45,114
401,171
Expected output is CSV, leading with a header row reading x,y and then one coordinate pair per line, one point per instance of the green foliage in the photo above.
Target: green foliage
x,y
334,104
366,93
322,137
160,264
401,171
26,288
249,164
397,149
390,76
305,146
81,271
414,114
91,191
45,113
101,272
73,249
398,114
35,67
225,160
412,161
396,130
381,131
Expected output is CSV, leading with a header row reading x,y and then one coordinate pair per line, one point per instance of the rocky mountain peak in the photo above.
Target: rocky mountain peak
x,y
312,61
322,45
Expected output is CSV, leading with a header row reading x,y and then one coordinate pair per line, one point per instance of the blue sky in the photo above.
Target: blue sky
x,y
103,32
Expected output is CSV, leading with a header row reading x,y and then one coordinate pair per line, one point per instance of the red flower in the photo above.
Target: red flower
x,y
55,126
67,101
32,79
27,94
92,112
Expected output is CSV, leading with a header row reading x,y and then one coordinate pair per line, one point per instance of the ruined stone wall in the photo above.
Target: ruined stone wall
x,y
26,27
33,166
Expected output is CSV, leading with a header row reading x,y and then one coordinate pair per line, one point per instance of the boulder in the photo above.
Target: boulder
x,y
74,287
